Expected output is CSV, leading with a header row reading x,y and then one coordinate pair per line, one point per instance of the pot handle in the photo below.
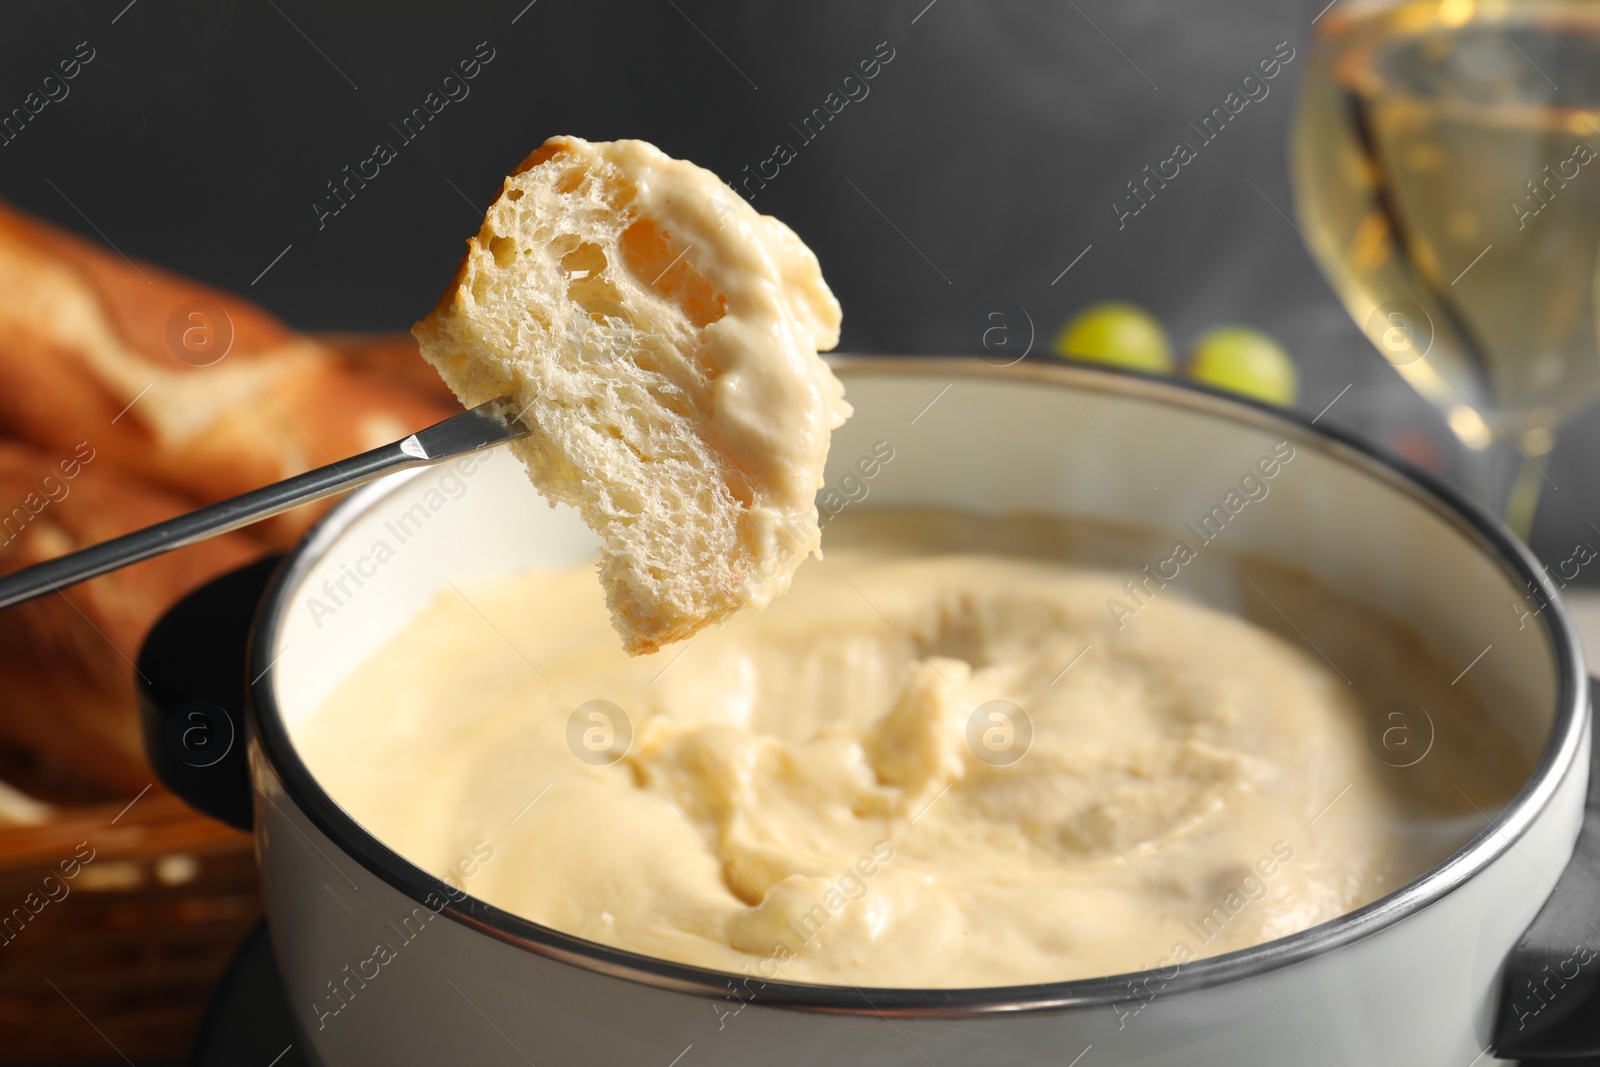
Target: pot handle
x,y
192,693
1550,998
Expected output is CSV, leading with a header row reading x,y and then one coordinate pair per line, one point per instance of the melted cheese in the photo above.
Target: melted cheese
x,y
774,401
826,791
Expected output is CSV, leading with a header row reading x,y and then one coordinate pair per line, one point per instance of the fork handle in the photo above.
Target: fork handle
x,y
209,521
473,430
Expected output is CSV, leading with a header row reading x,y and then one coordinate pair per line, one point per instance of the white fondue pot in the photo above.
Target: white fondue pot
x,y
1432,974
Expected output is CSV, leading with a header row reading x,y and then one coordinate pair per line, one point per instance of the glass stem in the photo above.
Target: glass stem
x,y
1479,475
1522,502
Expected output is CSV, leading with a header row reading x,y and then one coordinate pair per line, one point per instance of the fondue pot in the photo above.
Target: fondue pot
x,y
1490,953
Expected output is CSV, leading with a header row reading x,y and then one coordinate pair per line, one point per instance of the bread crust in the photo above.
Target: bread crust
x,y
84,332
390,358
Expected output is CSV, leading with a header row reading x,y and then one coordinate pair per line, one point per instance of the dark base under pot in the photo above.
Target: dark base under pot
x,y
248,1018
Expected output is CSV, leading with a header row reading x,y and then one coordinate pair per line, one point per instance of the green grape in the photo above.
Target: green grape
x,y
1247,362
1121,334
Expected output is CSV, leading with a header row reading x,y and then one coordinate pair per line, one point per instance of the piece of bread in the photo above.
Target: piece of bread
x,y
661,339
190,387
69,727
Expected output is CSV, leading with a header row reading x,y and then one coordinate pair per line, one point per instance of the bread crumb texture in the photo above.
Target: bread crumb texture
x,y
661,338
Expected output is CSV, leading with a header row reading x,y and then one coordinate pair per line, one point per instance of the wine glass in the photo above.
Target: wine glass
x,y
1446,163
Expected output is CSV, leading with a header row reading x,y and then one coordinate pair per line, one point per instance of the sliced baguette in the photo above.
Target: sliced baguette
x,y
95,348
661,338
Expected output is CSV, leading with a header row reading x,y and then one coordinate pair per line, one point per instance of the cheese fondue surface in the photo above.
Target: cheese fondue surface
x,y
945,758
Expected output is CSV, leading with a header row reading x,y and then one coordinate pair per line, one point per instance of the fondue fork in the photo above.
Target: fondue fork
x,y
479,428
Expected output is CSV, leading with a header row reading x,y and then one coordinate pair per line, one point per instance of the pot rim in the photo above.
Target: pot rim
x,y
1498,836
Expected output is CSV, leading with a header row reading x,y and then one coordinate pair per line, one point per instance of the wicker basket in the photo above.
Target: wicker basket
x,y
117,962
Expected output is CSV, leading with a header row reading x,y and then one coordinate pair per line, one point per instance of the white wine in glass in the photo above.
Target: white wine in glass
x,y
1446,161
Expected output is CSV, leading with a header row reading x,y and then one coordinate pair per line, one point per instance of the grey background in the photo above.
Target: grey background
x,y
983,161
